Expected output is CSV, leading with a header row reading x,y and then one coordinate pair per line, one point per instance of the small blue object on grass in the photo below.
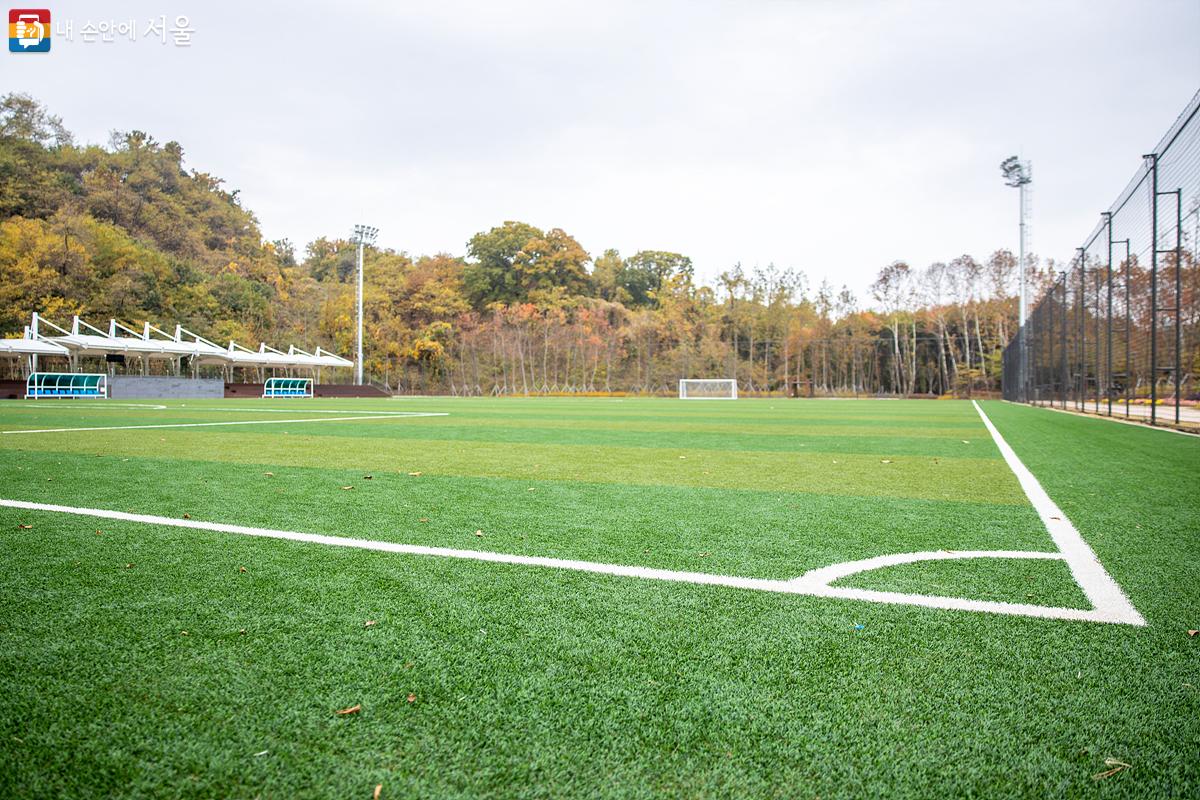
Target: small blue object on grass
x,y
859,627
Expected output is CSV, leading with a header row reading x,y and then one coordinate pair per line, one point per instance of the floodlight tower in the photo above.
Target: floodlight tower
x,y
1020,174
363,236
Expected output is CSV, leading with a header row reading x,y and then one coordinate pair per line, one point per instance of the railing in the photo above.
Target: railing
x,y
1118,333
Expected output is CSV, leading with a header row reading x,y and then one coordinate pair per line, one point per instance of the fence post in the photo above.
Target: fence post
x,y
1178,300
1049,301
1081,342
1128,326
1096,318
1066,376
1108,315
1153,286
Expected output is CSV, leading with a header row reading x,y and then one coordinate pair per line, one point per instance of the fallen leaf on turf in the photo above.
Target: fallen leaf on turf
x,y
183,633
479,533
24,527
964,441
99,532
129,566
241,569
415,474
344,488
530,489
1193,633
885,461
242,631
1117,766
378,789
369,623
187,516
423,519
412,698
368,477
354,709
269,474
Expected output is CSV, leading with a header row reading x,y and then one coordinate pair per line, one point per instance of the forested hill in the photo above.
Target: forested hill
x,y
128,231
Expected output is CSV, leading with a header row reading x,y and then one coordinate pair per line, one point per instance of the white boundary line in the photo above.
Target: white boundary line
x,y
1101,590
1109,603
96,406
305,411
43,405
814,583
392,415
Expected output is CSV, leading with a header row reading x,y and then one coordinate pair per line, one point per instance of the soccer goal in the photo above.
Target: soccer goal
x,y
708,389
288,387
65,385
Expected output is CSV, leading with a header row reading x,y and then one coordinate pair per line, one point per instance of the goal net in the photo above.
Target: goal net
x,y
708,389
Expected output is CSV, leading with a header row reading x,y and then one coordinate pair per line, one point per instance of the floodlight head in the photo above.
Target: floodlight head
x,y
364,234
1015,171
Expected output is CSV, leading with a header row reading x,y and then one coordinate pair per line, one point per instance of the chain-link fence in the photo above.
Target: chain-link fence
x,y
1117,333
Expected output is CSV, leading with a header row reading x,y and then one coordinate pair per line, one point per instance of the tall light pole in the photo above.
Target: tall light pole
x,y
1020,174
363,236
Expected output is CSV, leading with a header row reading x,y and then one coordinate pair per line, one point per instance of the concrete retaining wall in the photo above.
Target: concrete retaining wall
x,y
157,387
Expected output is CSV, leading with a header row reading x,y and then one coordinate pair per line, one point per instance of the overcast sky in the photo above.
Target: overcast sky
x,y
831,137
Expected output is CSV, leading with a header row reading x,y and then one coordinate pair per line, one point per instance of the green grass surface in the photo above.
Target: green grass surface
x,y
530,682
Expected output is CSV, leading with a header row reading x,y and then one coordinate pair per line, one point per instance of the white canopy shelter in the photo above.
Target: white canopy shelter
x,y
28,346
151,343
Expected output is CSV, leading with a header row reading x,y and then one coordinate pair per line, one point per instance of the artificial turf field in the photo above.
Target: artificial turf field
x,y
483,679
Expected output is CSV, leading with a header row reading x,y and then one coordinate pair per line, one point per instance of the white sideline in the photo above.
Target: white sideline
x,y
813,583
308,411
1109,603
43,405
96,406
388,415
1101,590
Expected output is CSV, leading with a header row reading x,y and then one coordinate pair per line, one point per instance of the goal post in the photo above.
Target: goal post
x,y
708,389
288,387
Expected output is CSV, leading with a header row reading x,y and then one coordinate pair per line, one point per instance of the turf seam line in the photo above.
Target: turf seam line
x,y
1100,588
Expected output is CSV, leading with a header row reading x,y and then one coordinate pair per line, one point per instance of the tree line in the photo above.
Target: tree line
x,y
125,231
